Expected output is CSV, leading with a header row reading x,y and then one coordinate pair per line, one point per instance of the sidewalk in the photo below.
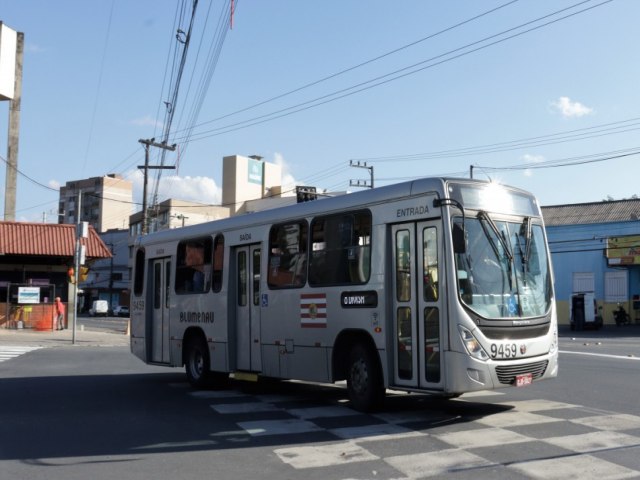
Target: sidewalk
x,y
63,338
607,331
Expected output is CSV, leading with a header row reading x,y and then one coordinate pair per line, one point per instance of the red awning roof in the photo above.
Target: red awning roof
x,y
47,239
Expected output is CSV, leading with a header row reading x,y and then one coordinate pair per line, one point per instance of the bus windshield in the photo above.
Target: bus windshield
x,y
504,272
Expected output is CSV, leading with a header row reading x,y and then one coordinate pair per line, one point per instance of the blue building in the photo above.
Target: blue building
x,y
595,248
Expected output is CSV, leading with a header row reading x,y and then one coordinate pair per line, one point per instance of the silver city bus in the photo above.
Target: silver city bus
x,y
437,285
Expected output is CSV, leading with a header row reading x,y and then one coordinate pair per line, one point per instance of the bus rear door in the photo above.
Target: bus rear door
x,y
161,273
248,346
417,305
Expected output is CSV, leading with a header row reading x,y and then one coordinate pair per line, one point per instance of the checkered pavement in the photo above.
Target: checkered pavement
x,y
474,436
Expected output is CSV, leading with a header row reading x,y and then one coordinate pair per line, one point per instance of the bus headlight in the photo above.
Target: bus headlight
x,y
554,342
472,345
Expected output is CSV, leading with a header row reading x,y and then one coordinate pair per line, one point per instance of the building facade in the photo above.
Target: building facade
x,y
104,202
174,213
108,278
595,249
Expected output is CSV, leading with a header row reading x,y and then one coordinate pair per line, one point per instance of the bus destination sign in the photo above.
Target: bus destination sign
x,y
366,299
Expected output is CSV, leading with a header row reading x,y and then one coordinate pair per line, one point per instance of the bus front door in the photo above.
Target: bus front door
x,y
417,305
248,345
161,273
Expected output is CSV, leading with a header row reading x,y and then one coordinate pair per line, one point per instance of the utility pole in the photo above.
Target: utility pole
x,y
111,278
82,231
180,216
356,183
11,176
150,143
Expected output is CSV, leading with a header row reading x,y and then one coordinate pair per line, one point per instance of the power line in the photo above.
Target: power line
x,y
355,67
172,102
98,87
548,139
213,57
535,166
397,74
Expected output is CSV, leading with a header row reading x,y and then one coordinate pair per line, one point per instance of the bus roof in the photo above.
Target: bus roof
x,y
325,205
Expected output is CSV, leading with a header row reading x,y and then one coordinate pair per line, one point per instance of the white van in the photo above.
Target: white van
x,y
99,308
584,311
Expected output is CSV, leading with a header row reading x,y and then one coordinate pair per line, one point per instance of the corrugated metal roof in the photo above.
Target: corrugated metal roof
x,y
47,239
597,212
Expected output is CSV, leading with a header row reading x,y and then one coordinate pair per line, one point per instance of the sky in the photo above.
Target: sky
x,y
538,94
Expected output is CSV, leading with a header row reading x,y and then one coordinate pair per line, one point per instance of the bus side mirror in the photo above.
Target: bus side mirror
x,y
459,239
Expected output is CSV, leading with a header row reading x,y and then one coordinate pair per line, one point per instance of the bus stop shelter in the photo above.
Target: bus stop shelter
x,y
36,263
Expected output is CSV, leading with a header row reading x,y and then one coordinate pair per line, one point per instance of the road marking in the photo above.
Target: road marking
x,y
611,422
594,441
324,455
619,357
436,464
584,467
7,353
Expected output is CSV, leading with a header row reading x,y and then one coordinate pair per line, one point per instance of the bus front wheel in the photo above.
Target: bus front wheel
x,y
364,381
197,363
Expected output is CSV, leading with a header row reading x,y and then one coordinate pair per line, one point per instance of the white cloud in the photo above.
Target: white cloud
x,y
528,159
288,180
33,48
146,121
570,109
192,189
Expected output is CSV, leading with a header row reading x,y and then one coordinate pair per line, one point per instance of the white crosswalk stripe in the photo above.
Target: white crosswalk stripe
x,y
9,352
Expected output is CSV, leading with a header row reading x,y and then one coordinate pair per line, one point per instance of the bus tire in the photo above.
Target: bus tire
x,y
197,364
364,380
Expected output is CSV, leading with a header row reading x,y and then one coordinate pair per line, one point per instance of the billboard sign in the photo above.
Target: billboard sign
x,y
28,294
8,45
255,171
623,250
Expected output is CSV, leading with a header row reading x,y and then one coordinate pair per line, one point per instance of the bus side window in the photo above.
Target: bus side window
x,y
218,261
287,255
340,249
193,269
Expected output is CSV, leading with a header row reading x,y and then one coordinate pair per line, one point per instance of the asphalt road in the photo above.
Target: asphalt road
x,y
102,324
79,412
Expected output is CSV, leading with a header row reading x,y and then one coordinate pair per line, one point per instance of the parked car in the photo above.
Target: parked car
x,y
121,311
99,308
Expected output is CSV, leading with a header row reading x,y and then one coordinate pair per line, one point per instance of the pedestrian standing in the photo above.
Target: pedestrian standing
x,y
59,306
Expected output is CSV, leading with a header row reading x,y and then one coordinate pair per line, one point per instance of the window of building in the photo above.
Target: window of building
x,y
341,249
193,269
287,255
616,286
583,282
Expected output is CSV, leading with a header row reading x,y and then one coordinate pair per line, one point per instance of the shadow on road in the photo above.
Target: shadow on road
x,y
134,415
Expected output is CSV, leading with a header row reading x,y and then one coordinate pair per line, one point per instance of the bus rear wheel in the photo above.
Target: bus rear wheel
x,y
364,381
197,364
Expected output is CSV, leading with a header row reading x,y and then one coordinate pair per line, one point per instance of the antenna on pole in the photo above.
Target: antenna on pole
x,y
361,183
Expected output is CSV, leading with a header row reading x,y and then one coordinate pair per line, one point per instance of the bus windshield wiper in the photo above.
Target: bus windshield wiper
x,y
527,236
482,215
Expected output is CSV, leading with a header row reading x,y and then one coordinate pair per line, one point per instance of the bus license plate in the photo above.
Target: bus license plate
x,y
524,380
